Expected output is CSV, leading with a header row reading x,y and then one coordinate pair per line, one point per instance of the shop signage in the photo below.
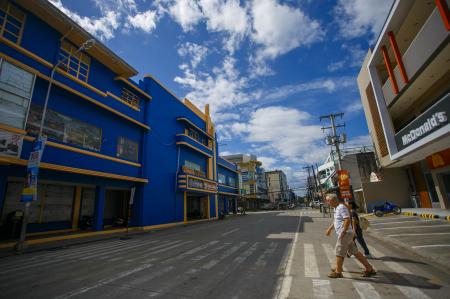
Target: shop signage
x,y
10,144
195,172
29,191
439,159
201,184
344,183
430,121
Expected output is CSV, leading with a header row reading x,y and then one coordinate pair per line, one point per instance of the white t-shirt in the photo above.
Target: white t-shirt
x,y
340,213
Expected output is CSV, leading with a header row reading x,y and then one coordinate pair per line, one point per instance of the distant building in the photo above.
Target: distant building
x,y
277,187
404,85
254,188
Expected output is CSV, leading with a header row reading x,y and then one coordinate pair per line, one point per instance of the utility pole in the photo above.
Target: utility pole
x,y
334,139
308,183
316,188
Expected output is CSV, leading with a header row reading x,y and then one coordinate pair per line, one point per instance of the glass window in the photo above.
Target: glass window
x,y
64,128
11,22
192,165
127,149
73,62
130,98
232,182
16,87
222,179
195,135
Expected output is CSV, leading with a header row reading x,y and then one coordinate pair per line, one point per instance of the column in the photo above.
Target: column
x,y
388,65
76,207
100,194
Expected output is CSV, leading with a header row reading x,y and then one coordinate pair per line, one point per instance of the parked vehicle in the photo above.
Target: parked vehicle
x,y
387,207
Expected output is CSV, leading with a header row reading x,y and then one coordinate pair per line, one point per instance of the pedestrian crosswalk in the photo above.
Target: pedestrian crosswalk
x,y
147,264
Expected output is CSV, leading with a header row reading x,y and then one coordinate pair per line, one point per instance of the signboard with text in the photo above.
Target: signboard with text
x,y
195,183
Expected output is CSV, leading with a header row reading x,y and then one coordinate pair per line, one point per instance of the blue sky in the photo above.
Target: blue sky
x,y
268,68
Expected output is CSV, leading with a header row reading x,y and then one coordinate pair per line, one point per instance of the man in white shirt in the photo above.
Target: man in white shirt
x,y
345,242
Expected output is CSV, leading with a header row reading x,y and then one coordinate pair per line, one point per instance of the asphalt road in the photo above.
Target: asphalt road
x,y
260,255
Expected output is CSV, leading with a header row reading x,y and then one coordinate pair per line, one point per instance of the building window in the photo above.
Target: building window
x,y
232,182
222,179
11,22
196,135
16,88
65,129
192,165
73,62
130,98
127,149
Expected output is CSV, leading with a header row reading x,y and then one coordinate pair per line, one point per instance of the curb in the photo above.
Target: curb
x,y
427,215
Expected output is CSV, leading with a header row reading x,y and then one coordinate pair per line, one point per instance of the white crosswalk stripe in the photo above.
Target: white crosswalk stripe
x,y
322,289
311,269
366,290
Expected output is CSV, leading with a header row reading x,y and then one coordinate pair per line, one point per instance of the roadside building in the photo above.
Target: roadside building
x,y
404,85
108,136
228,180
253,190
277,187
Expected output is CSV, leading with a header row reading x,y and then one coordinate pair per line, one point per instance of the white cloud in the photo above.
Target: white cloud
x,y
359,17
337,65
194,51
103,27
353,107
145,21
286,131
279,29
222,117
358,141
223,88
267,162
187,13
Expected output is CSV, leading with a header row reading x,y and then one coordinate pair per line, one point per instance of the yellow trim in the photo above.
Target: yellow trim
x,y
26,52
49,232
182,186
193,147
133,86
76,207
201,190
160,84
182,176
181,181
230,169
185,206
196,141
122,101
228,186
201,179
81,82
85,152
194,109
83,96
228,193
12,129
209,208
194,125
50,166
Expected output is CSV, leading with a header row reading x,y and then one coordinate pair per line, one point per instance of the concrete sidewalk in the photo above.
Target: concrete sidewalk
x,y
428,238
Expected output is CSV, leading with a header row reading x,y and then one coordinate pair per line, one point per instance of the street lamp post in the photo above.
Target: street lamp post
x,y
20,245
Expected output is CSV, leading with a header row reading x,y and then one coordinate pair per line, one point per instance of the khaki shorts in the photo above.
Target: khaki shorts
x,y
345,245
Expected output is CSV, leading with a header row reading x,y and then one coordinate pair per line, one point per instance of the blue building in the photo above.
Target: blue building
x,y
228,180
107,135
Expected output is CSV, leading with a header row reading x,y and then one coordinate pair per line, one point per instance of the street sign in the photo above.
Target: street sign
x,y
29,192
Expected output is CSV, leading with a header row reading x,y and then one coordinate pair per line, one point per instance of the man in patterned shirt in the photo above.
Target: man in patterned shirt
x,y
345,243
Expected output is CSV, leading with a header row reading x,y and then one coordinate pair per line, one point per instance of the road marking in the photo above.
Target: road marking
x,y
431,245
111,253
226,254
150,251
189,252
396,222
409,292
213,250
262,260
311,268
322,288
230,232
424,234
286,283
103,282
366,290
418,226
242,257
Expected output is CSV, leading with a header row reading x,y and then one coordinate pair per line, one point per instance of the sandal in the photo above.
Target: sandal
x,y
370,273
335,275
